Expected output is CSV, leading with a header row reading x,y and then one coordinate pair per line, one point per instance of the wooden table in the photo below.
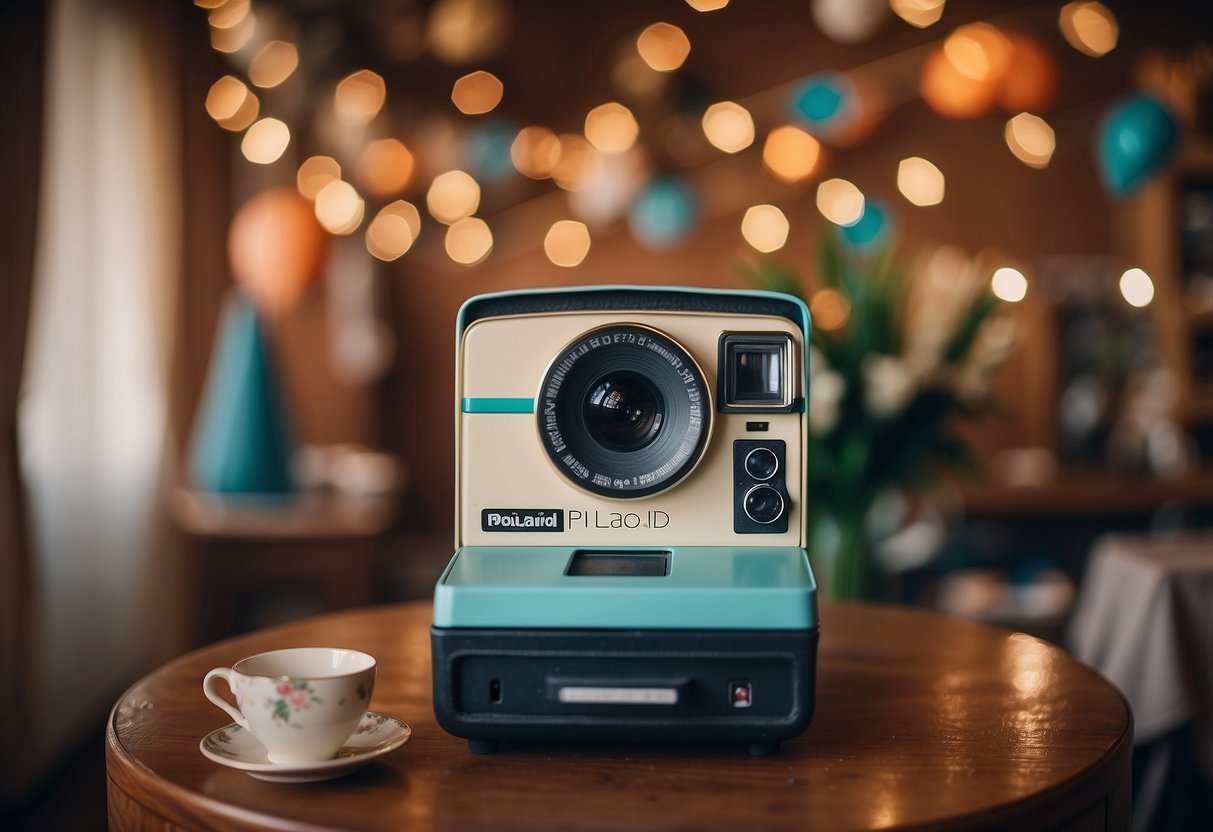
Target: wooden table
x,y
921,721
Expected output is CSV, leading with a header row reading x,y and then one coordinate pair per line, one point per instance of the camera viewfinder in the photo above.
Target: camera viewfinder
x,y
756,372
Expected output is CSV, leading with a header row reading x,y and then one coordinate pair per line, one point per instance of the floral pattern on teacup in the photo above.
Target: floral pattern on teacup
x,y
371,723
292,697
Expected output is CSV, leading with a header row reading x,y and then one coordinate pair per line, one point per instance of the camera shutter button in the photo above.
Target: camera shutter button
x,y
761,463
763,504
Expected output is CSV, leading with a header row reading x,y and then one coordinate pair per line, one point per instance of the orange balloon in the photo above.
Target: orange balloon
x,y
1032,79
953,94
276,248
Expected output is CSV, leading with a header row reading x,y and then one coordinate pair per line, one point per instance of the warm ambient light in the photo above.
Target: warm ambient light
x,y
791,153
830,310
978,51
663,46
452,196
1137,288
728,126
920,181
535,152
265,141
314,174
611,128
765,228
360,96
339,208
567,243
406,211
385,167
232,104
477,93
840,201
469,241
228,14
920,13
1031,139
1009,284
273,64
236,37
1089,27
707,5
389,235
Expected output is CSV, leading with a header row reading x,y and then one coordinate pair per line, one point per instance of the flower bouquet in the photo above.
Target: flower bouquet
x,y
894,356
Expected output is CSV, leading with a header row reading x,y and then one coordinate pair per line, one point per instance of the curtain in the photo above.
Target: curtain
x,y
93,418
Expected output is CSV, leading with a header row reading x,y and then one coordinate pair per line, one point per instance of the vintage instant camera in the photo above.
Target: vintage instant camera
x,y
630,520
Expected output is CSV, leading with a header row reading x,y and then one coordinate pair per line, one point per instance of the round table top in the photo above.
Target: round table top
x,y
920,720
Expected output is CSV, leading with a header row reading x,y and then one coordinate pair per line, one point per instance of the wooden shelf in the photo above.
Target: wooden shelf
x,y
1095,494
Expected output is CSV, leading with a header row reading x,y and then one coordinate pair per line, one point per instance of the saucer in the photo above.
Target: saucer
x,y
234,747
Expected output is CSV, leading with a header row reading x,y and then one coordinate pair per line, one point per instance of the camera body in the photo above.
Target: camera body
x,y
630,484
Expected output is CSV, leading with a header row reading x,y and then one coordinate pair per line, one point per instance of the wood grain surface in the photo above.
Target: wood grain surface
x,y
921,721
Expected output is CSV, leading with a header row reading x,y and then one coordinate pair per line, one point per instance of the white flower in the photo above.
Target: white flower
x,y
825,392
993,344
888,384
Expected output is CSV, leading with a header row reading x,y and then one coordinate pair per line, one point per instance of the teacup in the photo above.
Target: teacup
x,y
302,704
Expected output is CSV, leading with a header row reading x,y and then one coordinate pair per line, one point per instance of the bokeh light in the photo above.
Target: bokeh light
x,y
663,46
339,208
462,31
840,201
232,104
567,243
611,128
728,126
360,96
477,93
273,64
964,78
920,13
535,152
978,51
1033,79
406,211
765,228
920,181
707,5
1137,288
791,154
577,164
385,167
389,235
1089,27
228,14
236,37
265,141
1009,284
469,241
639,81
453,196
830,310
314,174
1031,139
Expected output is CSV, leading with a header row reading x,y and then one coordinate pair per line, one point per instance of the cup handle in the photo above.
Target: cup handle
x,y
208,687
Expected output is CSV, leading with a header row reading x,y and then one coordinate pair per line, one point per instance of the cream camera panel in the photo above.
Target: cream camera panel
x,y
518,485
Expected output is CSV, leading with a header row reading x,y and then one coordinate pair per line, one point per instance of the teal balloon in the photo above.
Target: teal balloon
x,y
242,442
871,231
1135,141
821,101
664,214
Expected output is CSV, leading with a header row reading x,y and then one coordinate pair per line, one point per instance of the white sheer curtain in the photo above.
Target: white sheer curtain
x,y
94,411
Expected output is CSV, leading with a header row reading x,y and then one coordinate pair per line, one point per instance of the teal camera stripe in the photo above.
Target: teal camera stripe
x,y
488,404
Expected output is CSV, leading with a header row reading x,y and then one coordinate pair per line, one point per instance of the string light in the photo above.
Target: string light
x,y
406,211
1137,288
1031,139
452,196
477,93
791,154
1009,284
389,235
707,5
1089,27
273,64
535,152
314,174
339,208
920,13
236,37
663,46
840,202
728,126
469,241
359,96
231,104
765,228
228,14
577,164
611,128
265,141
567,243
920,181
385,167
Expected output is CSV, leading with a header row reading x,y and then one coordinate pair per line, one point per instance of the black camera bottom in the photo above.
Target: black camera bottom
x,y
753,687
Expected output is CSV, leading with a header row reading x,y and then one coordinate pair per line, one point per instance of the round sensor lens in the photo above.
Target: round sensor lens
x,y
623,411
761,463
763,504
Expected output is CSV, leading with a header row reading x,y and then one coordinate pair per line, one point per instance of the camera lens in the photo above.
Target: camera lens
x,y
761,463
763,504
623,411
